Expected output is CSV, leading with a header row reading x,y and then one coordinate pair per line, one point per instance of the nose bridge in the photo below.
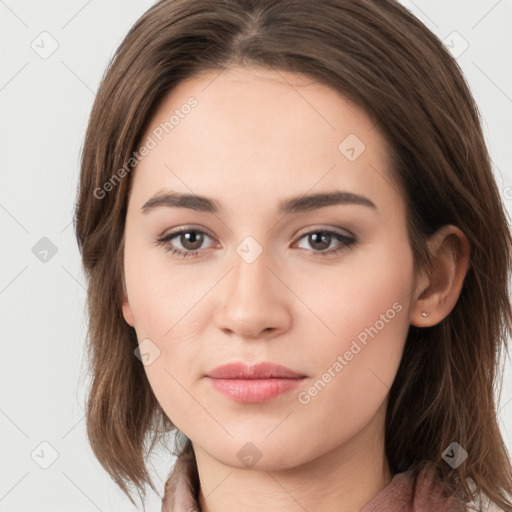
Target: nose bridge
x,y
250,279
253,302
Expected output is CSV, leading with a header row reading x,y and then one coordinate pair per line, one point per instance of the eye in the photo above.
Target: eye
x,y
321,239
191,241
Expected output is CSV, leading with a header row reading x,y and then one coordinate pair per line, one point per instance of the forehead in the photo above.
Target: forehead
x,y
274,105
263,131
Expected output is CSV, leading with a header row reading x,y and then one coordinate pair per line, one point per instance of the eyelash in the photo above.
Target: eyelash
x,y
349,242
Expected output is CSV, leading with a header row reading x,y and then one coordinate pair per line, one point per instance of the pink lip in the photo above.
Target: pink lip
x,y
253,384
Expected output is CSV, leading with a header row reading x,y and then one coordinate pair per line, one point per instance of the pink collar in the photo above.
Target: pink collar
x,y
402,494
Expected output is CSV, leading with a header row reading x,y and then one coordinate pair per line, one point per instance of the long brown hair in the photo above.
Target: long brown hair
x,y
380,56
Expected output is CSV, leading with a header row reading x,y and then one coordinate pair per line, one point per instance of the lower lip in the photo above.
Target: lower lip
x,y
254,390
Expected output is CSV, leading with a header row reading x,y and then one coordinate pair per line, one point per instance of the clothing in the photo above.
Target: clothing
x,y
402,494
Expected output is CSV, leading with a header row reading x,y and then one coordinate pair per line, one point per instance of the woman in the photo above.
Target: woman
x,y
227,139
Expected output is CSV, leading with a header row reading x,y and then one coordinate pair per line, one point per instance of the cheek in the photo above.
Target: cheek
x,y
161,293
175,370
367,297
164,307
365,322
355,368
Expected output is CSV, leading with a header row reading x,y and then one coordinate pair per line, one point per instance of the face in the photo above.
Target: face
x,y
321,286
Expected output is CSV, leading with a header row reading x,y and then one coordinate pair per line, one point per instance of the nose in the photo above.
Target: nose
x,y
254,301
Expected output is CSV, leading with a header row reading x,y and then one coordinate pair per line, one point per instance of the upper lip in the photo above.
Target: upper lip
x,y
264,370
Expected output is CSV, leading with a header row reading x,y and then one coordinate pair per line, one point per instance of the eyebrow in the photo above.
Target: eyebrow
x,y
292,205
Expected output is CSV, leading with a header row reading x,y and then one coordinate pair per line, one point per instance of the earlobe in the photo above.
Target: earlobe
x,y
450,250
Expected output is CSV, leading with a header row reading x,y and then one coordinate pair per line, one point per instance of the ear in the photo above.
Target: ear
x,y
127,310
127,313
437,295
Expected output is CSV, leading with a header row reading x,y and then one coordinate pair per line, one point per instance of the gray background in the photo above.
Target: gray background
x,y
45,102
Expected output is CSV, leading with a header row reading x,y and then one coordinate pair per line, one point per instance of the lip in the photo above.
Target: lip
x,y
264,370
253,384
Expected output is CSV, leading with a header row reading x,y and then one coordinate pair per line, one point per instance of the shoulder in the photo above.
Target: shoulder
x,y
482,502
429,486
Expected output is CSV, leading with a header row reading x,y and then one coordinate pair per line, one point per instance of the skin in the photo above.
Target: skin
x,y
257,137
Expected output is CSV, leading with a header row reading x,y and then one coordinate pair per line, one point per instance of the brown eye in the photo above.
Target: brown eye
x,y
191,240
319,240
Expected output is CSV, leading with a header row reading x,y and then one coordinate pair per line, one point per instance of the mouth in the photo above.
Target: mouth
x,y
253,384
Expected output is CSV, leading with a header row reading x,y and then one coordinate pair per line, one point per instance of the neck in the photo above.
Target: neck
x,y
341,480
